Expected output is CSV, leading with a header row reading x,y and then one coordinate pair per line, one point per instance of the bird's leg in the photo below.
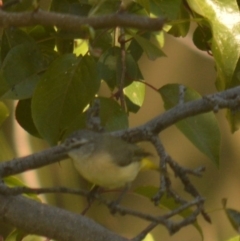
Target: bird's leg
x,y
92,193
90,198
113,205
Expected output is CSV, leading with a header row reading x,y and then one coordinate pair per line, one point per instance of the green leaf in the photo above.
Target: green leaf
x,y
135,93
24,117
112,116
131,107
145,4
102,7
16,182
132,70
21,6
151,50
224,18
107,66
110,68
137,9
16,235
103,40
64,91
233,116
234,218
43,36
21,70
7,152
12,37
19,235
167,203
202,37
182,25
64,46
80,47
61,6
167,8
202,130
4,112
236,238
78,123
135,50
80,9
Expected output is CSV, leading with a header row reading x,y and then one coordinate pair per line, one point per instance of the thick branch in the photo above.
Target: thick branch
x,y
75,23
35,217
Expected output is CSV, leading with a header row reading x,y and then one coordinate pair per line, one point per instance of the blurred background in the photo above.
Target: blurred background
x,y
186,65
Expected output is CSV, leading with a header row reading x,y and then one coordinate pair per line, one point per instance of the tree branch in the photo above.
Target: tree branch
x,y
39,218
43,158
229,98
75,23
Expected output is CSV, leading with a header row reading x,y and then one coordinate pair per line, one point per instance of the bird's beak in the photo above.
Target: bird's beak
x,y
76,143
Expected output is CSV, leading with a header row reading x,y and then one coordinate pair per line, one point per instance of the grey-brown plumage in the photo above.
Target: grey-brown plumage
x,y
105,160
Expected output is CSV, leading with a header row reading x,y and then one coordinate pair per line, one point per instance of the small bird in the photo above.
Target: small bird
x,y
107,161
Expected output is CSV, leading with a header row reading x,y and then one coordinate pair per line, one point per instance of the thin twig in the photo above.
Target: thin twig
x,y
164,180
27,190
121,40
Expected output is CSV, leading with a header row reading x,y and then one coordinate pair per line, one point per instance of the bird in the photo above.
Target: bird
x,y
107,161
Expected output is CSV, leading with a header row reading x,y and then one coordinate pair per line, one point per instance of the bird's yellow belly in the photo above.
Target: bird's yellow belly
x,y
100,170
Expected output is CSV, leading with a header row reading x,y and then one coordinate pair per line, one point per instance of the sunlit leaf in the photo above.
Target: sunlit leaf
x,y
202,130
181,28
136,93
149,237
159,38
80,47
236,238
224,18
